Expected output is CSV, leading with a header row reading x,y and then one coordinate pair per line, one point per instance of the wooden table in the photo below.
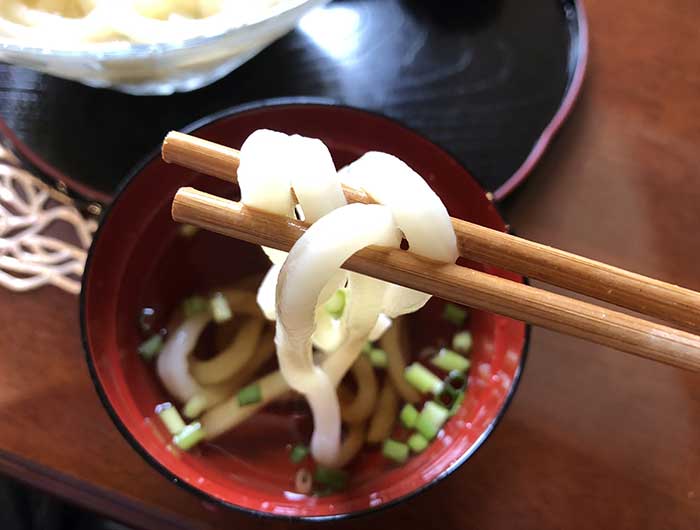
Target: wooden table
x,y
593,438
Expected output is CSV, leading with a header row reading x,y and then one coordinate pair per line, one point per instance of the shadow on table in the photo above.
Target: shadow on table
x,y
23,508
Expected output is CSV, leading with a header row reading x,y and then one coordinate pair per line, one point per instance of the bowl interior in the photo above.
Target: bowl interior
x,y
139,259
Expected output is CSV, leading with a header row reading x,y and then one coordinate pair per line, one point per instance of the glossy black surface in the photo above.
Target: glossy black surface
x,y
482,78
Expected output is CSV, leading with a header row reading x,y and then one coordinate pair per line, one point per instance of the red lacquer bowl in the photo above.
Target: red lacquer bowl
x,y
139,259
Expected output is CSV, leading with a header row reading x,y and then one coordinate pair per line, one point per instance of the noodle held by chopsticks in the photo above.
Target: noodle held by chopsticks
x,y
306,166
272,164
311,264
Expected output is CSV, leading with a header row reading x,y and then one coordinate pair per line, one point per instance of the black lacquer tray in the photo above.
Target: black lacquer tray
x,y
490,81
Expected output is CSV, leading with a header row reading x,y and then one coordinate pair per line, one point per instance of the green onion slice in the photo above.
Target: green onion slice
x,y
462,342
408,416
449,361
423,379
456,380
190,436
149,348
336,303
457,404
396,451
170,417
333,478
194,305
431,419
454,314
417,442
220,310
299,452
303,481
249,395
447,397
378,358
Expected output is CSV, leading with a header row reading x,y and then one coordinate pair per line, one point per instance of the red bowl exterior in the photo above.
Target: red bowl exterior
x,y
137,229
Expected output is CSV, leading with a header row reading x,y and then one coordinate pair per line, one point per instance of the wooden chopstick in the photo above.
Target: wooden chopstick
x,y
452,282
582,275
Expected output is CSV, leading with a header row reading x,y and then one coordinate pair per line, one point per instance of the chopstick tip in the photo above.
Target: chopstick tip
x,y
165,146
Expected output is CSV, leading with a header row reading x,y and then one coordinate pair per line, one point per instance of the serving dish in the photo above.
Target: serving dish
x,y
160,68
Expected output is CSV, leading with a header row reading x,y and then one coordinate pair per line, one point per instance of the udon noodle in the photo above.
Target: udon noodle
x,y
311,271
326,320
59,23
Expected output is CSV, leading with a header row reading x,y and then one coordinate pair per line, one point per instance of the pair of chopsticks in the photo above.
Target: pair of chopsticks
x,y
631,334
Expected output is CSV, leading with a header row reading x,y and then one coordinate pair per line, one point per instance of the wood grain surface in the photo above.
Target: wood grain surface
x,y
452,282
593,439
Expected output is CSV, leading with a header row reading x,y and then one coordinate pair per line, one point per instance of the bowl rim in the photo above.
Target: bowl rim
x,y
123,49
162,469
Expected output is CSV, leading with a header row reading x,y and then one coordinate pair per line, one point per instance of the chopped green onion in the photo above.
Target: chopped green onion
x,y
423,379
431,419
450,361
367,348
408,416
220,310
303,481
299,452
378,358
194,305
457,404
188,230
462,342
170,417
333,478
454,314
150,347
456,380
396,451
194,406
190,436
417,442
146,317
249,395
336,303
447,397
